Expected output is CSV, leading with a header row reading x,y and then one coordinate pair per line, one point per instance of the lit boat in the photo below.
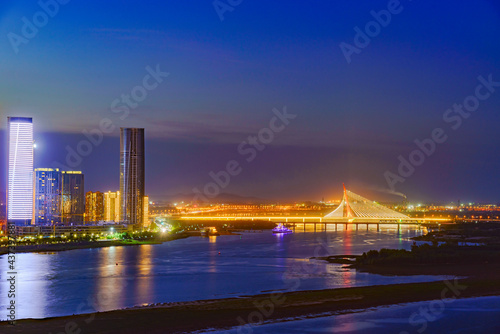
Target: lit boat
x,y
281,229
209,231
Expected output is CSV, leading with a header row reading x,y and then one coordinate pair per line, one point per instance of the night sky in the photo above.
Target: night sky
x,y
225,77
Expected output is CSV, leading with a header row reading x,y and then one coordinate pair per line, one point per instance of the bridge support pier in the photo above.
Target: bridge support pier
x,y
357,226
335,227
378,227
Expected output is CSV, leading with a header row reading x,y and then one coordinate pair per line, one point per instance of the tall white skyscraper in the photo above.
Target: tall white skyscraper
x,y
20,174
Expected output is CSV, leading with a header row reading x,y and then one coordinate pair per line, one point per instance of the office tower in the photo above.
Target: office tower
x,y
73,197
20,171
48,194
112,206
132,176
94,206
146,212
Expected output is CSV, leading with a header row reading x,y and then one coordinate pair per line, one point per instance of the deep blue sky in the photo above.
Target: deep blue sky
x,y
354,120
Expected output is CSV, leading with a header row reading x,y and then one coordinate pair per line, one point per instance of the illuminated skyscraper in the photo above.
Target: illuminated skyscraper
x,y
112,206
20,173
132,176
73,197
48,189
94,206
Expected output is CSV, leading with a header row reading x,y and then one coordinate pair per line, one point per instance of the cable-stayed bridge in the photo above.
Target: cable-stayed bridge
x,y
356,206
353,210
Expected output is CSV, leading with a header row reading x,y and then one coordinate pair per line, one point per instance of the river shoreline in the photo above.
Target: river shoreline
x,y
231,312
61,247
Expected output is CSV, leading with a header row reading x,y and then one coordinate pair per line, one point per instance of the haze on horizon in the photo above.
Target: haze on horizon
x,y
226,77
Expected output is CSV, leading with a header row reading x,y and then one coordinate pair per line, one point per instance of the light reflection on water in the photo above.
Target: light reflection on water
x,y
192,269
470,315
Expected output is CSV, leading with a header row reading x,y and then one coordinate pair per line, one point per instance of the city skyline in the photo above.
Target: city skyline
x,y
51,197
379,192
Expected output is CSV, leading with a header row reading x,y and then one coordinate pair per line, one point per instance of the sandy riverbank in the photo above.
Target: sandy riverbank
x,y
224,313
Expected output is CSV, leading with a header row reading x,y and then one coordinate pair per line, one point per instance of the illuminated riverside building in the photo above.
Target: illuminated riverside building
x,y
146,212
20,173
94,206
132,176
48,189
73,197
112,206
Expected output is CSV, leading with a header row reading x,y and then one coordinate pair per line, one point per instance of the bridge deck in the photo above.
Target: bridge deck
x,y
323,220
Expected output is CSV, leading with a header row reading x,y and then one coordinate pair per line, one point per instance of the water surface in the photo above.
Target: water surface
x,y
81,281
471,315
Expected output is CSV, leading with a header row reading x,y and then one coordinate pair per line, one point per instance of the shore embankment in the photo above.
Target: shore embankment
x,y
226,313
65,246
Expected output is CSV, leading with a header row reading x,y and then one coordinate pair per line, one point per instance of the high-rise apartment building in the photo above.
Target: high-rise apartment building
x,y
48,195
112,206
132,176
20,170
73,197
94,206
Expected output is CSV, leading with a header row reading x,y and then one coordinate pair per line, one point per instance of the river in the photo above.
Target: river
x,y
100,279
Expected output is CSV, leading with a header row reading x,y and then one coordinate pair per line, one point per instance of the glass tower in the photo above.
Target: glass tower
x,y
20,171
132,176
48,188
73,197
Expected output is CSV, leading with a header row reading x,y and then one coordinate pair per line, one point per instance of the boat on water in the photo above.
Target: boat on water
x,y
209,232
281,229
